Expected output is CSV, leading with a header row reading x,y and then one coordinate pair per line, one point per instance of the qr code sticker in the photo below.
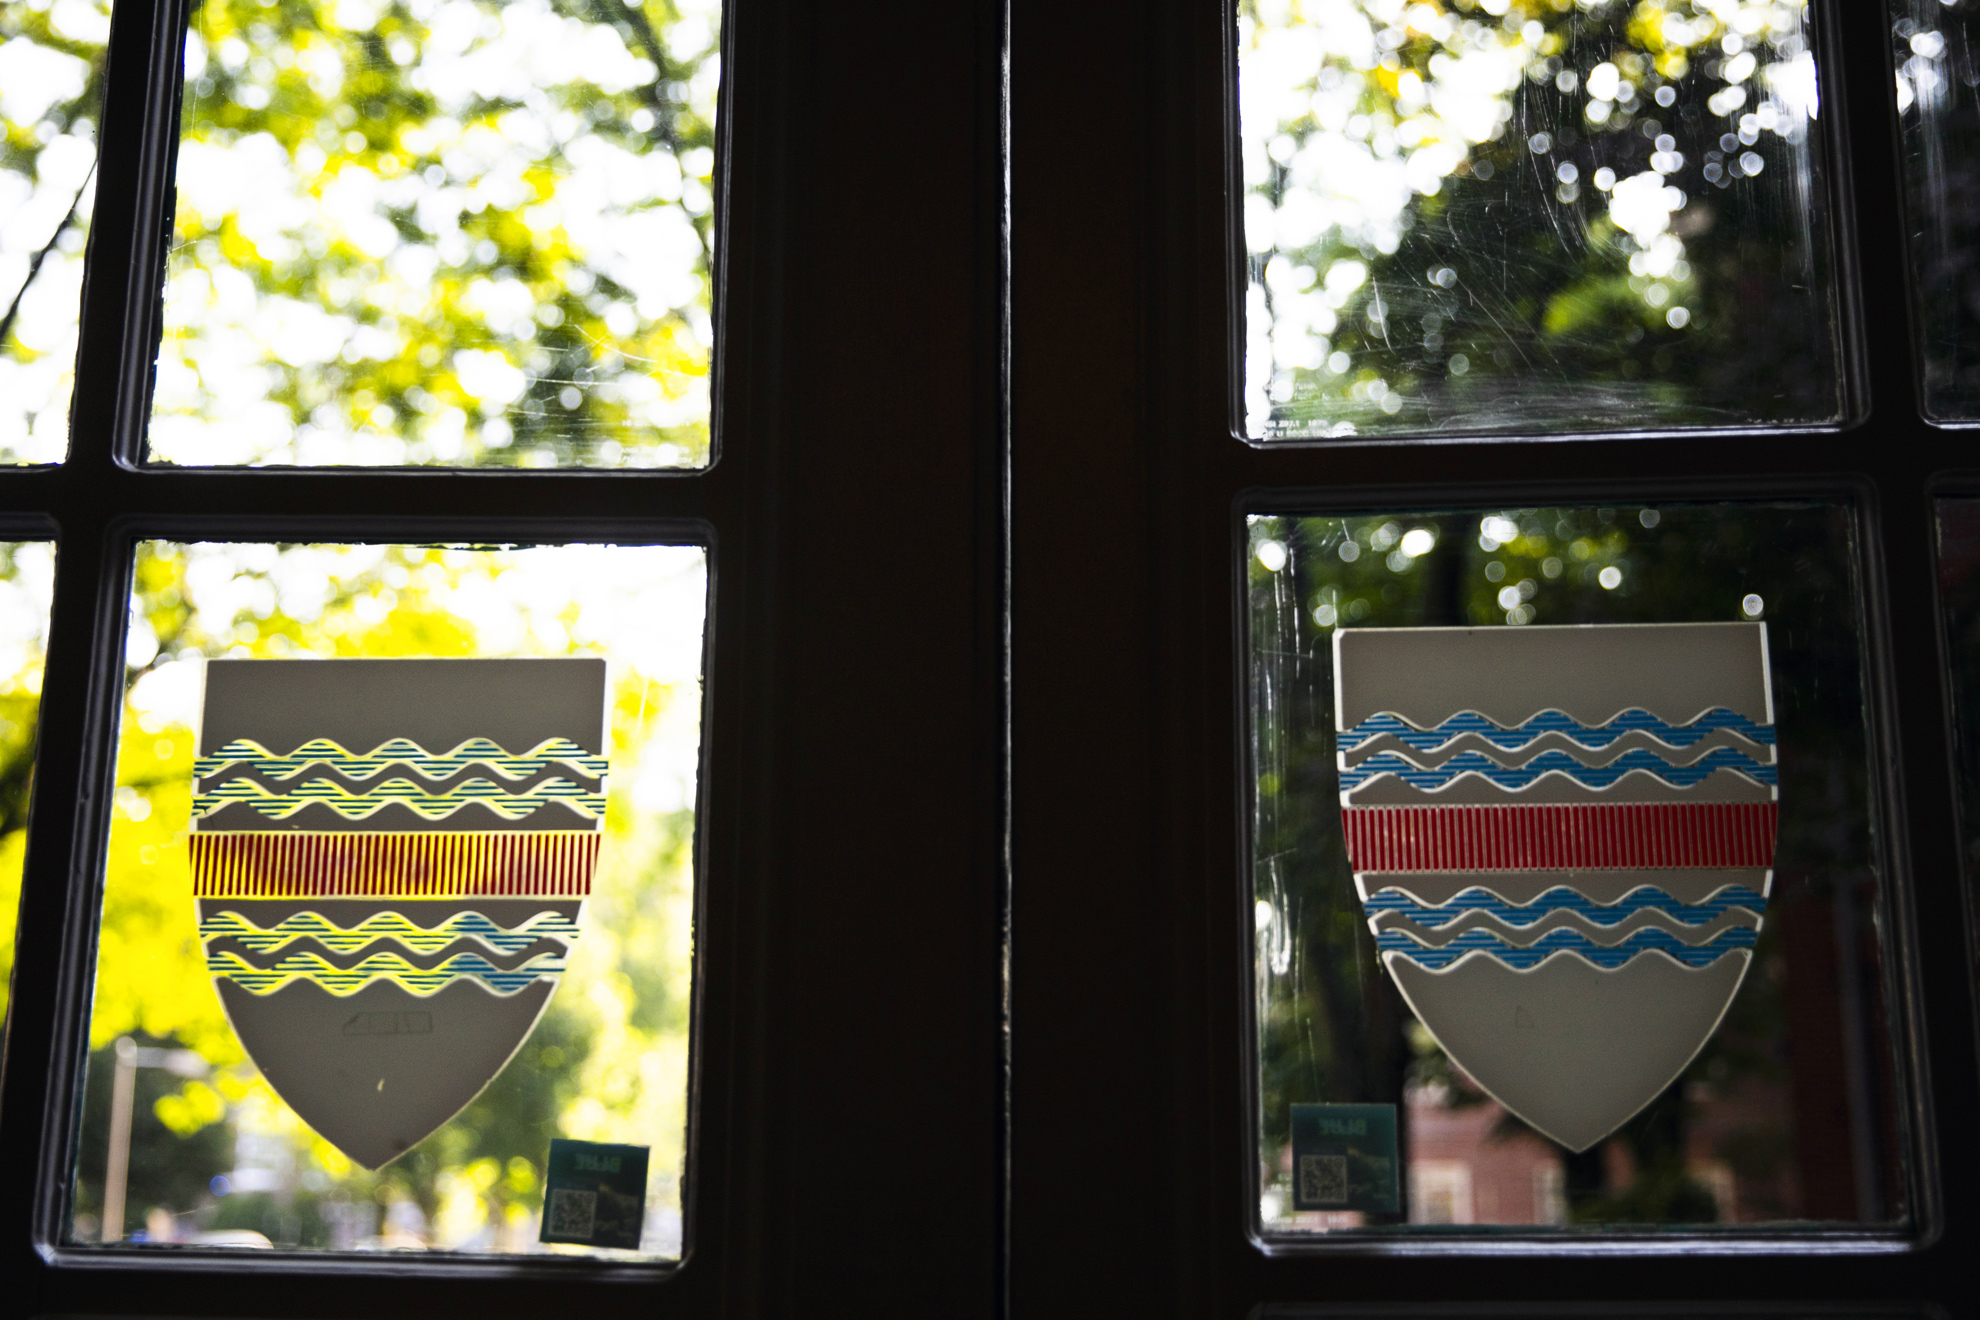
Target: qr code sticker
x,y
573,1213
1323,1180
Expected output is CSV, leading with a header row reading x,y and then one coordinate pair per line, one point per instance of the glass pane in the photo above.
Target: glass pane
x,y
51,83
442,232
1511,216
1939,117
389,867
1557,924
27,590
1959,585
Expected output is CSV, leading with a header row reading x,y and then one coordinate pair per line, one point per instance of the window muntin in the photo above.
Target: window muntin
x,y
1800,1068
443,232
215,1156
51,93
1502,216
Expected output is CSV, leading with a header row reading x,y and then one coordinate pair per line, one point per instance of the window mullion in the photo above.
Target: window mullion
x,y
61,875
123,285
1870,230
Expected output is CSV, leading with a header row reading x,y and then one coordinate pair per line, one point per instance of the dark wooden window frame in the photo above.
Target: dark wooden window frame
x,y
1123,444
971,968
850,805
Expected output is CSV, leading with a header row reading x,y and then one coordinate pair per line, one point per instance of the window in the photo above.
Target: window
x,y
1695,1035
1472,218
257,451
442,234
538,1011
975,931
1278,449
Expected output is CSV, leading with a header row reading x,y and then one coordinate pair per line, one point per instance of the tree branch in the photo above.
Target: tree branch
x,y
664,112
34,266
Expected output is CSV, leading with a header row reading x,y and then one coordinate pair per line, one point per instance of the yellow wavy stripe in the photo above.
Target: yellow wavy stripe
x,y
424,803
401,753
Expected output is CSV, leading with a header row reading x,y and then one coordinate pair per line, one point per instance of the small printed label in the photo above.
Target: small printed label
x,y
1344,1158
595,1194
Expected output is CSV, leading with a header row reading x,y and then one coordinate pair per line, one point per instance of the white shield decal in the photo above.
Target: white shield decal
x,y
390,859
1563,838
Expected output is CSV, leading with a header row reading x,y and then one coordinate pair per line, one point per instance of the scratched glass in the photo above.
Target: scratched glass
x,y
1936,47
1789,1111
443,232
51,85
1507,216
183,1142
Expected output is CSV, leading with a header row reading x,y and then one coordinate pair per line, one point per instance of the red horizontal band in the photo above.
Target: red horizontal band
x,y
436,864
1562,838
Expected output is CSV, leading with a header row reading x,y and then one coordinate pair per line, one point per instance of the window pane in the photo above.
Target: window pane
x,y
442,232
365,877
1579,925
51,69
27,589
1508,216
1959,582
1939,116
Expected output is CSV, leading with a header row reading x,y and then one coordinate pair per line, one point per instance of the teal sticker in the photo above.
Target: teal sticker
x,y
595,1194
1344,1158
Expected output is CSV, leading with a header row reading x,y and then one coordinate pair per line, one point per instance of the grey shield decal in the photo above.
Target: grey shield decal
x,y
1563,838
390,859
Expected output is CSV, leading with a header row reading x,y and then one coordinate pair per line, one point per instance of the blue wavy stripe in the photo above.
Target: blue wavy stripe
x,y
425,804
391,926
1607,957
1553,721
401,753
340,981
1595,776
1562,899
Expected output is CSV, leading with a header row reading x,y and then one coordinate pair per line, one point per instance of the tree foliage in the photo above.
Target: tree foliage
x,y
51,85
407,231
1531,215
442,231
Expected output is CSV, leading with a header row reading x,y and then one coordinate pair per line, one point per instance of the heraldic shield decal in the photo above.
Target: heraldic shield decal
x,y
1563,840
390,858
